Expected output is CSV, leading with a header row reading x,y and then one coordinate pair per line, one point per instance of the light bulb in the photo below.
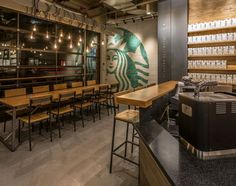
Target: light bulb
x,y
71,45
59,40
80,39
69,37
61,34
31,36
87,50
103,42
78,43
47,35
55,45
34,28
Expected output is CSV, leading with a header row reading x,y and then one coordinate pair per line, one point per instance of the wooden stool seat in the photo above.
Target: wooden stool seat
x,y
130,116
84,105
62,110
34,118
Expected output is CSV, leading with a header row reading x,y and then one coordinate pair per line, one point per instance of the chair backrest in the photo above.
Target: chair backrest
x,y
65,96
152,84
88,91
77,84
40,89
41,100
60,86
119,94
103,89
114,87
91,82
15,92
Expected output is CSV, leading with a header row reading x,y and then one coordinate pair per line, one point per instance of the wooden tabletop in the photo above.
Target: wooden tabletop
x,y
144,97
21,101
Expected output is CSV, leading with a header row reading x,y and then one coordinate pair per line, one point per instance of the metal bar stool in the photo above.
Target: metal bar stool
x,y
37,114
128,116
114,88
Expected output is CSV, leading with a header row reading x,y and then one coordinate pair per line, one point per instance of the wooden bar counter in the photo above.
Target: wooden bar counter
x,y
144,97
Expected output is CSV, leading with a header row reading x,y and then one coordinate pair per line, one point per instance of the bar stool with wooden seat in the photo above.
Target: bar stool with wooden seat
x,y
91,82
86,102
102,98
19,111
65,105
129,116
36,114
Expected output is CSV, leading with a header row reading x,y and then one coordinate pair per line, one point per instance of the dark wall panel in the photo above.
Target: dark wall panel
x,y
164,41
172,39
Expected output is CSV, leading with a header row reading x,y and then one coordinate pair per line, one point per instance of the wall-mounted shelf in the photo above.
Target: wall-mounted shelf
x,y
212,31
211,44
209,57
213,71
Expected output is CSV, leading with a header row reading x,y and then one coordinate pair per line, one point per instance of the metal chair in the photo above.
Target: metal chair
x,y
114,88
65,105
102,98
36,113
128,116
20,111
86,102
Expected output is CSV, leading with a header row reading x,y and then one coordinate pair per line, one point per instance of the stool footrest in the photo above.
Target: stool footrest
x,y
127,159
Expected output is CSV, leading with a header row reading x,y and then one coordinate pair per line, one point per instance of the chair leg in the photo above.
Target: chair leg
x,y
107,108
74,122
99,111
50,128
93,113
112,144
59,126
126,138
19,132
4,127
82,117
132,146
40,128
30,147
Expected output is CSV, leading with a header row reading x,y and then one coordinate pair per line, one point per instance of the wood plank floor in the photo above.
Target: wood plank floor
x,y
78,158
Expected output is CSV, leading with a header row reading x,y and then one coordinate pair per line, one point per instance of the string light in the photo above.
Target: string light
x,y
55,45
80,39
69,36
78,43
71,45
61,34
59,40
87,50
31,36
34,28
47,35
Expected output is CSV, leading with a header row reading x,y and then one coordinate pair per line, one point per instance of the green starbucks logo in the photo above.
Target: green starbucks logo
x,y
127,60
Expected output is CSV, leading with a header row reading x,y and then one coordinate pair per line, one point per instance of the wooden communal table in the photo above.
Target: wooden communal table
x,y
22,101
144,98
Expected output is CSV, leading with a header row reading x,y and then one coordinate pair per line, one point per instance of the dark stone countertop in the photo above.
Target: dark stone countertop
x,y
181,167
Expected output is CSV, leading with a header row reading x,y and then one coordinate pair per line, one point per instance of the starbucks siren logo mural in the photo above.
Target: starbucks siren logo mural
x,y
127,60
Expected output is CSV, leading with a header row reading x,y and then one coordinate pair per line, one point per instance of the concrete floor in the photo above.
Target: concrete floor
x,y
78,158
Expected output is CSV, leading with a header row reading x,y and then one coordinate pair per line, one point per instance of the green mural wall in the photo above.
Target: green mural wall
x,y
127,60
